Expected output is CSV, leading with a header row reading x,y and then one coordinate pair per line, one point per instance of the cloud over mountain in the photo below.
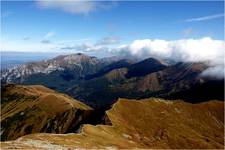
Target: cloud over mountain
x,y
204,49
187,50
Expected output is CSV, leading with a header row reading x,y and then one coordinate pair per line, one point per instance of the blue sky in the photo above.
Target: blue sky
x,y
47,26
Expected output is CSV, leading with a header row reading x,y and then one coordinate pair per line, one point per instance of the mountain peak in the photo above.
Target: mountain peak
x,y
145,67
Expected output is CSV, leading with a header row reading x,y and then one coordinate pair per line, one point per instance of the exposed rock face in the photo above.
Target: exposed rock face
x,y
57,73
60,63
35,109
149,123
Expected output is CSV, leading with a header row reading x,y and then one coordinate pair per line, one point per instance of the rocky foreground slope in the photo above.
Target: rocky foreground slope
x,y
35,109
149,123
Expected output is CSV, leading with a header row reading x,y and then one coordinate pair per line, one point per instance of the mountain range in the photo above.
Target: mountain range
x,y
100,82
79,101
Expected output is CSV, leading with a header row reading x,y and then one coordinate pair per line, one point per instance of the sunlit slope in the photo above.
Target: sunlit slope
x,y
34,109
149,123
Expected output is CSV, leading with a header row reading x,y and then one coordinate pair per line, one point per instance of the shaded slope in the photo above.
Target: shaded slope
x,y
150,123
145,67
33,109
100,92
180,81
211,89
124,63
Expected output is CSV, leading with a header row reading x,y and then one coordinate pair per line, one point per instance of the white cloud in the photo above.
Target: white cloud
x,y
187,50
49,34
74,6
215,71
210,17
109,40
204,49
85,47
80,47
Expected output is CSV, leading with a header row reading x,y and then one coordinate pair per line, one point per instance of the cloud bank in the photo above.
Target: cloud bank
x,y
205,49
188,50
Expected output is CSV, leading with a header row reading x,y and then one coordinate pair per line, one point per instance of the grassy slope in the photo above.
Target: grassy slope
x,y
150,123
34,109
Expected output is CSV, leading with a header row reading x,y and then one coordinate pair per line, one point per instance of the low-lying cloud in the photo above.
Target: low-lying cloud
x,y
188,50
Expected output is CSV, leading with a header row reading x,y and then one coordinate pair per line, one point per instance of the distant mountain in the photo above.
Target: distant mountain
x,y
100,82
35,109
57,73
167,82
81,63
145,67
112,66
144,124
12,59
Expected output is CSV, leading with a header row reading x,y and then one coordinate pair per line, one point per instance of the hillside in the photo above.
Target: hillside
x,y
35,109
180,81
145,67
149,123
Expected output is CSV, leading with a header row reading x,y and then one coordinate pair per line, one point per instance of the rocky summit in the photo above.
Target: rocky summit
x,y
146,124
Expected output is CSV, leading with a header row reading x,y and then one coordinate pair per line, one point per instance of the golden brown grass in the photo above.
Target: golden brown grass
x,y
35,109
149,123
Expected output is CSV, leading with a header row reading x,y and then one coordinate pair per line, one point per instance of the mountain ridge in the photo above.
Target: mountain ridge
x,y
34,109
150,125
100,82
